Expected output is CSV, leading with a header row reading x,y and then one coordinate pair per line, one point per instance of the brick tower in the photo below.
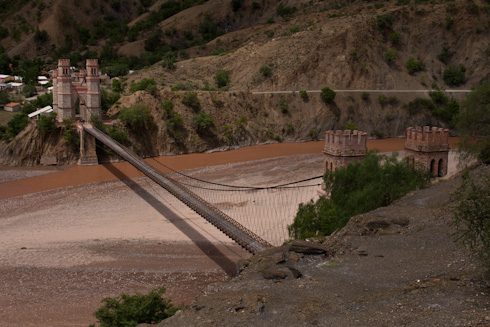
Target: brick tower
x,y
93,90
66,109
428,147
342,147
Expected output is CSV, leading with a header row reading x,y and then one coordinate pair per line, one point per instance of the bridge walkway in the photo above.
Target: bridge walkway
x,y
237,232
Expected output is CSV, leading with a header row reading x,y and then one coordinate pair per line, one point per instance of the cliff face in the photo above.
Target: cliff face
x,y
29,148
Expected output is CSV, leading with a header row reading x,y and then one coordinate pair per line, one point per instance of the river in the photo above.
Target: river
x,y
78,175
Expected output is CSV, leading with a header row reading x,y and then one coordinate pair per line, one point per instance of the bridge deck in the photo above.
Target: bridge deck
x,y
240,234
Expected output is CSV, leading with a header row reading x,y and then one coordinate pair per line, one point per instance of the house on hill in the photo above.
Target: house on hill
x,y
12,107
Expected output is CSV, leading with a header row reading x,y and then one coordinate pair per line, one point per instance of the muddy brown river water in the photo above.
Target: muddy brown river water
x,y
79,175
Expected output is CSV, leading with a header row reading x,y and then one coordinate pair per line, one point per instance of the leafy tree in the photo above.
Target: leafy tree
x,y
390,56
191,100
222,78
385,21
17,124
454,75
119,69
138,119
131,310
304,95
29,90
419,105
286,12
117,86
357,188
144,84
41,36
473,124
203,122
4,98
414,66
328,95
71,135
46,124
107,99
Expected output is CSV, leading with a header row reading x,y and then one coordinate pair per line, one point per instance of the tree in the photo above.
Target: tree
x,y
191,100
265,71
222,78
454,75
473,124
203,122
46,124
137,118
328,95
357,188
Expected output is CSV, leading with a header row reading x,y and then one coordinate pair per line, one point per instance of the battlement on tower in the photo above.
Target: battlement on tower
x,y
64,62
345,143
54,73
92,63
427,139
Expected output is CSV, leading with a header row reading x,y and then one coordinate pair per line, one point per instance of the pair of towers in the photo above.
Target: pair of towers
x,y
428,147
86,89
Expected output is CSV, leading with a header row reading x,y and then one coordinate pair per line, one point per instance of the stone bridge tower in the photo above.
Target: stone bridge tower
x,y
66,91
428,147
66,109
342,147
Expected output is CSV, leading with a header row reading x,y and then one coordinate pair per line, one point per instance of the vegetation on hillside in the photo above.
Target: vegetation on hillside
x,y
360,187
131,310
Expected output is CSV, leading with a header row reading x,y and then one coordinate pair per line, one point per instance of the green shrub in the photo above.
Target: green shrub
x,y
472,216
144,84
304,95
16,125
190,99
71,135
286,12
395,38
138,119
107,99
351,126
365,96
382,100
131,310
360,187
385,21
294,29
4,98
117,86
222,78
438,97
203,122
454,75
46,124
328,95
420,105
284,106
390,56
119,135
445,55
393,100
313,134
270,34
414,66
265,71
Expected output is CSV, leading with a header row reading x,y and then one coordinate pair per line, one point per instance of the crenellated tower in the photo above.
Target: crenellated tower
x,y
428,147
93,89
342,147
64,91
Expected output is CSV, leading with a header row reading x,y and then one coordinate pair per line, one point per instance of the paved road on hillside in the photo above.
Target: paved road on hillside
x,y
360,91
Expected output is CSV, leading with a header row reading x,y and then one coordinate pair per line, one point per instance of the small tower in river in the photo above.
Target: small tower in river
x,y
342,147
428,147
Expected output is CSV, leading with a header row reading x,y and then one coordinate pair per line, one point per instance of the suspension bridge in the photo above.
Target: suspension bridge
x,y
252,225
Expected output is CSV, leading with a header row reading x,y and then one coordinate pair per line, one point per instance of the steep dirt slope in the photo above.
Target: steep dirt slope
x,y
395,266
